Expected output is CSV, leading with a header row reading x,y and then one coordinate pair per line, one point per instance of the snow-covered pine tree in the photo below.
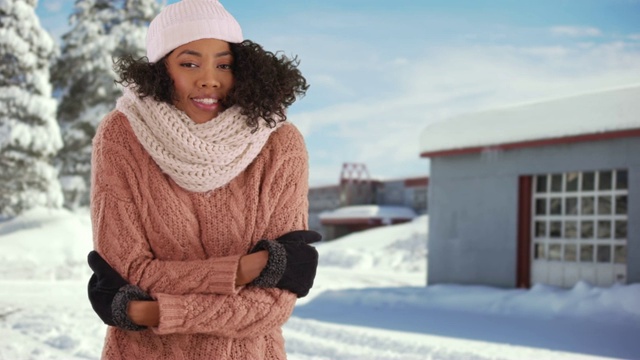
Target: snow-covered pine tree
x,y
83,80
83,77
29,133
132,30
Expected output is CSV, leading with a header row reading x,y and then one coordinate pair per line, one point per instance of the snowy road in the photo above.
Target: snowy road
x,y
52,320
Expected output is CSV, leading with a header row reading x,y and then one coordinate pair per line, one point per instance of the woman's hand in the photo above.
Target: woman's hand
x,y
250,267
144,313
110,294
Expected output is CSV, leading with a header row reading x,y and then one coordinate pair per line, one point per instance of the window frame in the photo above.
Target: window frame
x,y
602,222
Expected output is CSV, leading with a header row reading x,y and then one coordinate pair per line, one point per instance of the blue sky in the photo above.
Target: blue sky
x,y
381,71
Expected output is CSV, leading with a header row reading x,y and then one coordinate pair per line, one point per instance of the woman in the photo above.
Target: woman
x,y
199,185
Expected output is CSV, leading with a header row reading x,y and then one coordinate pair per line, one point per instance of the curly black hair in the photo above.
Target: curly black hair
x,y
265,83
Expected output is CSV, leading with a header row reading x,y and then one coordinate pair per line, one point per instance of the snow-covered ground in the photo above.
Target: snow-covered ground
x,y
369,302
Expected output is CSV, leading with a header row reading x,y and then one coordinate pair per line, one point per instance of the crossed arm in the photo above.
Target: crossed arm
x,y
254,307
147,313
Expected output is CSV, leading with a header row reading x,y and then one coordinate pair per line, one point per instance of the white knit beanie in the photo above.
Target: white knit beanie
x,y
187,21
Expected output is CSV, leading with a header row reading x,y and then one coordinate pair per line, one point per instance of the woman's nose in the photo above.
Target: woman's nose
x,y
208,79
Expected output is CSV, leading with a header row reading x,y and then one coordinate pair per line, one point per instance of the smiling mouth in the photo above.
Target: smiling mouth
x,y
206,101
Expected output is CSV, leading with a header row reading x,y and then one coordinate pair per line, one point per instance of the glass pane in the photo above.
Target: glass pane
x,y
571,206
621,205
621,229
555,228
604,205
588,181
541,229
604,180
586,253
620,254
556,183
555,251
572,181
541,206
586,230
587,205
571,229
604,229
541,183
621,179
604,253
555,206
538,251
570,252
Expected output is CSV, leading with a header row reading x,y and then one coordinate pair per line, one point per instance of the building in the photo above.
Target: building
x,y
544,192
321,199
348,219
359,202
407,192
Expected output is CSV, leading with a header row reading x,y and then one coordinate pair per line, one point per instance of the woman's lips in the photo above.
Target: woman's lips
x,y
207,104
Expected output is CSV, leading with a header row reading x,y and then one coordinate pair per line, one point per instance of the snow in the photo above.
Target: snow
x,y
29,134
590,113
368,302
384,212
381,251
83,76
44,138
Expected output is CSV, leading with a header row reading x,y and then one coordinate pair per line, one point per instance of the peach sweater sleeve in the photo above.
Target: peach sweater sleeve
x,y
124,247
117,225
287,185
250,312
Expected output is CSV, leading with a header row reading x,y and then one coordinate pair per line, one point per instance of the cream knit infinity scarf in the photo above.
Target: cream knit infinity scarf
x,y
198,157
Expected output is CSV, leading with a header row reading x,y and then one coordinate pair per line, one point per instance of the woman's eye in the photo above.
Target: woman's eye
x,y
188,65
225,66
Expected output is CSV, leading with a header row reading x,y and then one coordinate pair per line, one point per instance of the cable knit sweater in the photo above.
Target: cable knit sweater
x,y
183,247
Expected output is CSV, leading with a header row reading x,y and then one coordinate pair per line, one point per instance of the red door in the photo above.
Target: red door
x,y
523,273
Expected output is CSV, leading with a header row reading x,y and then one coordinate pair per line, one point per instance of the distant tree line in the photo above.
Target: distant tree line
x,y
53,97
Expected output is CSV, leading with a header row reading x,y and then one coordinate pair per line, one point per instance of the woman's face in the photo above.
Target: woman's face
x,y
202,77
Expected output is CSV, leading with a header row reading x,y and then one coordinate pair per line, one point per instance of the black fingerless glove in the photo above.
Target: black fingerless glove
x,y
110,294
292,262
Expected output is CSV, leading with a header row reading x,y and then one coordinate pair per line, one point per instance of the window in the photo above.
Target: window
x,y
420,200
580,217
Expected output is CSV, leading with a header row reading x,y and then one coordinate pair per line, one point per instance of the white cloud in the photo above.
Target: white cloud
x,y
384,132
400,61
634,37
576,31
53,5
332,84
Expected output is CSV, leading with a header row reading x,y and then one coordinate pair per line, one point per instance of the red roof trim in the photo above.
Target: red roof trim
x,y
534,143
414,182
